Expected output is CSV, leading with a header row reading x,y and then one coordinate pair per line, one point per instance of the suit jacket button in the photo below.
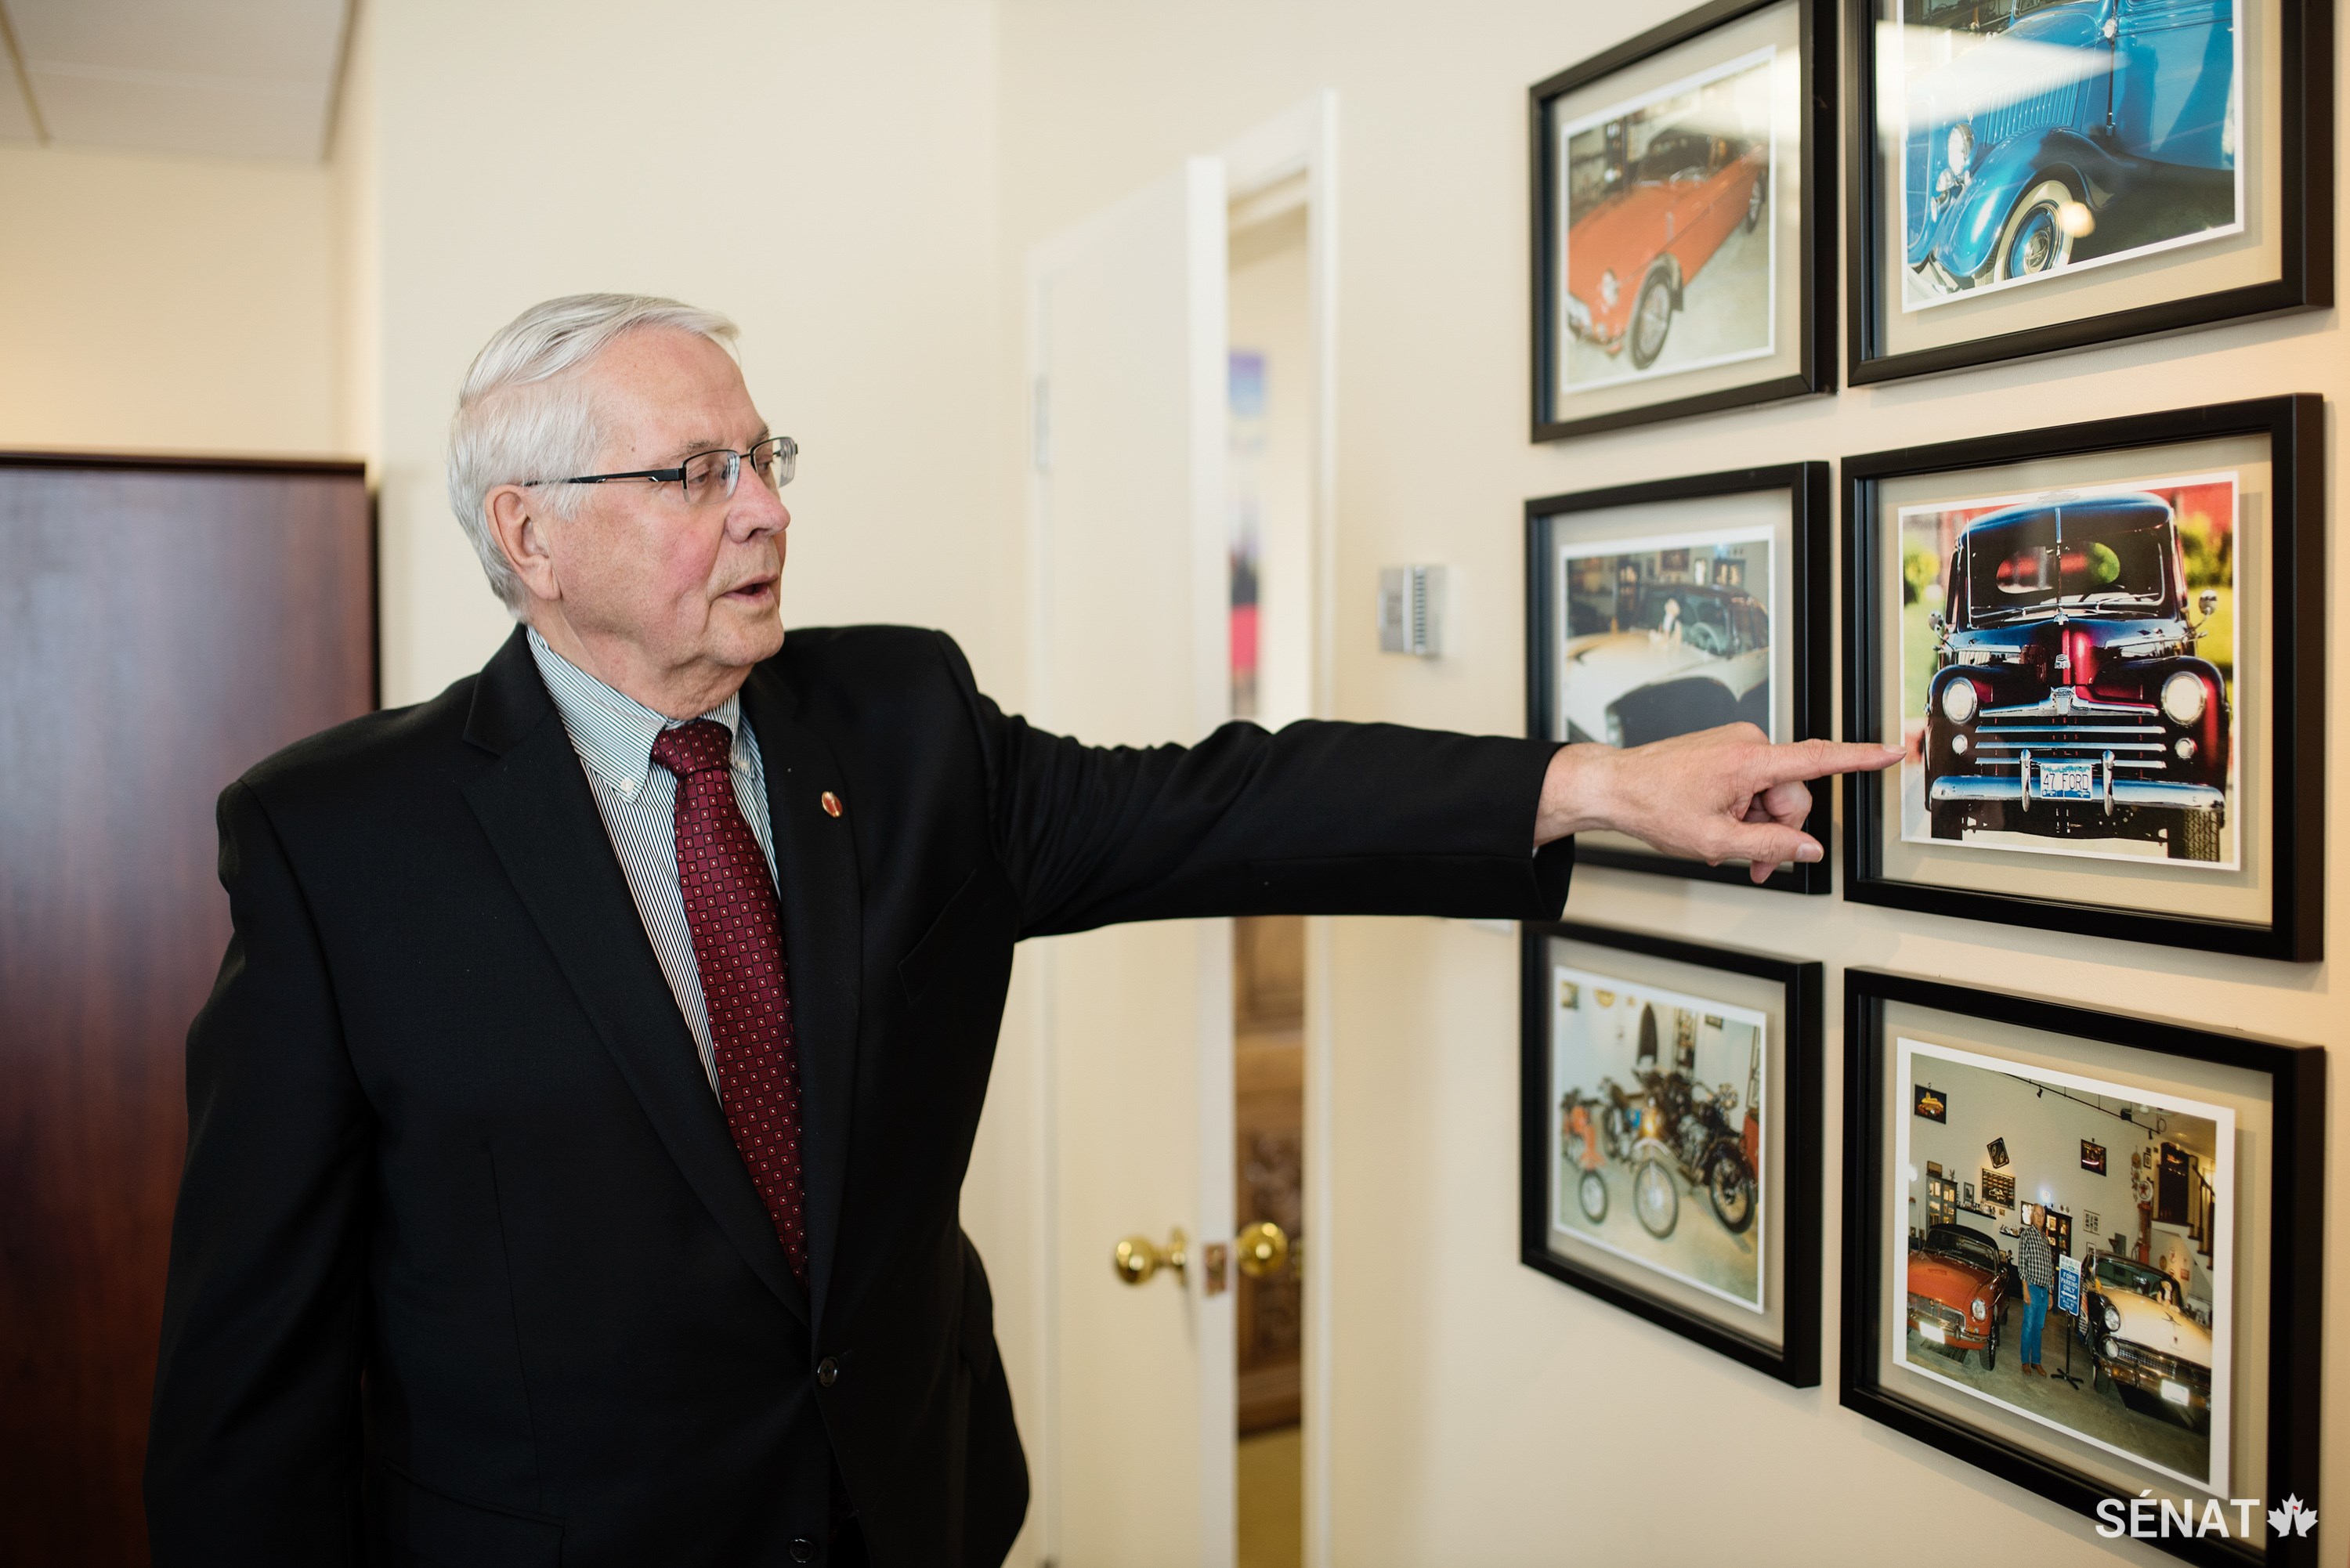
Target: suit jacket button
x,y
802,1548
827,1372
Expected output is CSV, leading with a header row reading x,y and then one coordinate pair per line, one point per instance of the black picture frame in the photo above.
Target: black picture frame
x,y
1796,1361
2304,217
1807,486
1815,280
2294,426
2296,1220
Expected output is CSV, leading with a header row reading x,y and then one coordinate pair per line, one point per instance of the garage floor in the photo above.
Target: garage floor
x,y
2082,1409
1700,1247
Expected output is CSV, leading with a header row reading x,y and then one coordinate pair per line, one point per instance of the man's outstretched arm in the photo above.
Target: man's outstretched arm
x,y
1713,796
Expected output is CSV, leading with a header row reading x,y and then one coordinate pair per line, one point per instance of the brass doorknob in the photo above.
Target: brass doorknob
x,y
1137,1257
1263,1249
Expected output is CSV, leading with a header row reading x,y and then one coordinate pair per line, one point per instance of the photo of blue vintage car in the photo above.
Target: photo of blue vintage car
x,y
2043,136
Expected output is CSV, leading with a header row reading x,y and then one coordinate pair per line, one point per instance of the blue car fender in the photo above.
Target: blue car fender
x,y
1967,235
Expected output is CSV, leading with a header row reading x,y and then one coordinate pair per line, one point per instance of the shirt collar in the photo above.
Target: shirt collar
x,y
612,731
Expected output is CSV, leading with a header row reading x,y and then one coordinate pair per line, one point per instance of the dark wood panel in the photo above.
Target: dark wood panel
x,y
164,625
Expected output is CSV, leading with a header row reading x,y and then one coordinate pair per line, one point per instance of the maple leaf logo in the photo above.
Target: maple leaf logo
x,y
2292,1519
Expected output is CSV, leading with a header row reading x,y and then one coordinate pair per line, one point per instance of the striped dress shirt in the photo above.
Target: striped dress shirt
x,y
614,735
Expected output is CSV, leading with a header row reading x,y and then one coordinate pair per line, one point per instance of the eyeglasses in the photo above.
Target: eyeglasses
x,y
708,476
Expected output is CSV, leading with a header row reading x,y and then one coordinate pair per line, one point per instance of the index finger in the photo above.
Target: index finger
x,y
1817,759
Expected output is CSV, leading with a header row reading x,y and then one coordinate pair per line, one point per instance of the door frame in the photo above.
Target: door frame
x,y
1298,150
1300,146
1211,705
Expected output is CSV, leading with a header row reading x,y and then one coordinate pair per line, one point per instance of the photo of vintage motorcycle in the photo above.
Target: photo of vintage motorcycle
x,y
2069,670
1664,639
2118,1340
1656,1141
1667,257
2043,136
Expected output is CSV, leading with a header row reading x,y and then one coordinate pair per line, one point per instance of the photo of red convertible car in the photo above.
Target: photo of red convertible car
x,y
1958,1294
1667,253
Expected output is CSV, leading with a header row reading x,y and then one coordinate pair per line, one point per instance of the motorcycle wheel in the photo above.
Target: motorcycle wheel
x,y
1655,1199
1592,1193
1731,1185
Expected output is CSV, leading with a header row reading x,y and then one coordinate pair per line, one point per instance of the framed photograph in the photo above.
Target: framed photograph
x,y
2035,175
2103,647
2091,1366
1670,1139
1683,211
1656,609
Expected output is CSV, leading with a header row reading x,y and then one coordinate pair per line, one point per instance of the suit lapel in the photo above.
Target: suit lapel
x,y
815,858
534,806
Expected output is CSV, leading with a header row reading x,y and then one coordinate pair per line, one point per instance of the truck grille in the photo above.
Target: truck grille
x,y
2065,728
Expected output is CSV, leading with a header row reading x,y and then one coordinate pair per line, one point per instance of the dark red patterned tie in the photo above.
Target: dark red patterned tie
x,y
738,945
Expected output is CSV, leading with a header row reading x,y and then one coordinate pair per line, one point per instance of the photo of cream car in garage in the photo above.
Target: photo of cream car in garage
x,y
1652,651
1678,658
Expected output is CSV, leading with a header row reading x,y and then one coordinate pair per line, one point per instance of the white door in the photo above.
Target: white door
x,y
1128,645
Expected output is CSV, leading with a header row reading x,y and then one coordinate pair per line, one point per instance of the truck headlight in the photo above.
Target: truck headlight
x,y
2184,697
1959,702
1961,149
1610,291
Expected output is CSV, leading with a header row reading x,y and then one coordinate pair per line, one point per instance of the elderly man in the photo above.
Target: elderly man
x,y
578,1123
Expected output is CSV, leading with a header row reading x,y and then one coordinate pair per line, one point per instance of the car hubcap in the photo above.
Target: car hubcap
x,y
1656,311
2039,245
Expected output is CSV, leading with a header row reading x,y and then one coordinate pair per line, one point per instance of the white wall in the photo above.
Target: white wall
x,y
822,173
1482,1413
165,303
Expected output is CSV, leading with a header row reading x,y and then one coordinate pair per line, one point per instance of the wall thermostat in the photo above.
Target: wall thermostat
x,y
1411,610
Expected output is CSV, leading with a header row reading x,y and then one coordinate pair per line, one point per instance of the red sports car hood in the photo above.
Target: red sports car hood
x,y
1625,232
1946,1280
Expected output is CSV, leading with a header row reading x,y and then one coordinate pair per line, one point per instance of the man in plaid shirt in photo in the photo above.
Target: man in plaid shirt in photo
x,y
2037,1261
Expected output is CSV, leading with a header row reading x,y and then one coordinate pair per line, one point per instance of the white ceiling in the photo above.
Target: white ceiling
x,y
241,78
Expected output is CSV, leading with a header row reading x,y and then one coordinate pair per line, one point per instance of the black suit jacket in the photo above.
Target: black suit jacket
x,y
466,1269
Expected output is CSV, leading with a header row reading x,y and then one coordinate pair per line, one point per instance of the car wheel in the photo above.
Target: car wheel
x,y
2102,1384
1592,1193
1990,1352
1947,821
1757,196
1652,318
2195,836
2033,241
1657,1199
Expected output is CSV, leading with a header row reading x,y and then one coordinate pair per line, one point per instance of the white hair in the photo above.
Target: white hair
x,y
523,414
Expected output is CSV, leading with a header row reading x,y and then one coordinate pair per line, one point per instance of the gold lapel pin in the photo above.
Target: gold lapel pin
x,y
830,801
